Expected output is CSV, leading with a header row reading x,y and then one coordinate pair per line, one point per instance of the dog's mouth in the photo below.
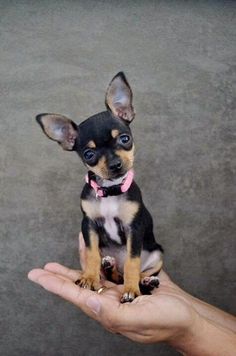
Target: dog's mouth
x,y
109,176
114,176
105,173
112,180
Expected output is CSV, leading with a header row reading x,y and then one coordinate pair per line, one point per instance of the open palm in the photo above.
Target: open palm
x,y
149,318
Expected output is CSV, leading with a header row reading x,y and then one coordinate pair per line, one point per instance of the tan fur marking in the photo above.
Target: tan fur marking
x,y
153,270
116,276
101,168
91,144
127,157
91,275
115,133
90,208
132,275
128,210
131,272
93,256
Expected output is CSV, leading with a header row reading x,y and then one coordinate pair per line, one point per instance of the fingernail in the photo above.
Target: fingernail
x,y
94,304
31,276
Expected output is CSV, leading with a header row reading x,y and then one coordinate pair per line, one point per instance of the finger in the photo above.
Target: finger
x,y
90,302
71,274
104,308
54,283
51,281
57,268
62,287
82,251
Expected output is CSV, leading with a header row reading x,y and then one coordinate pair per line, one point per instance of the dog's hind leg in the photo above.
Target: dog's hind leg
x,y
110,271
149,279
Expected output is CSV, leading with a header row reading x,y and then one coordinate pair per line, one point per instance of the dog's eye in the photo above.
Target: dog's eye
x,y
124,139
89,154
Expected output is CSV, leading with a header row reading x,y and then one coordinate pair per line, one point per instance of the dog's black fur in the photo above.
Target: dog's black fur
x,y
104,142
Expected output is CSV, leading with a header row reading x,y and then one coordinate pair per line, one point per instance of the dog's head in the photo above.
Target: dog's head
x,y
103,141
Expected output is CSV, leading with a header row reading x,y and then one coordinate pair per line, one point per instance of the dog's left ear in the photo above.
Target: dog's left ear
x,y
119,98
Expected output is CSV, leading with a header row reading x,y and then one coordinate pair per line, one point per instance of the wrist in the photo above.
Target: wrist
x,y
214,314
205,337
185,339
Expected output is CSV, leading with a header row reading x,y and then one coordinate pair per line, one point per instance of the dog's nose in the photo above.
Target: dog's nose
x,y
115,165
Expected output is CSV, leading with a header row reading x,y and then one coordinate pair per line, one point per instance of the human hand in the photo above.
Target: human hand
x,y
165,315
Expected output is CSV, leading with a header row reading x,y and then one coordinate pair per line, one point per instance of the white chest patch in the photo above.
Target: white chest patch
x,y
109,209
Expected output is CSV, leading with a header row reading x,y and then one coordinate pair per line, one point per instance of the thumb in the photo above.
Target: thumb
x,y
105,310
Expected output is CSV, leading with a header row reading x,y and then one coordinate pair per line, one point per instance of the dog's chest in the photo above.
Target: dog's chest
x,y
109,209
116,213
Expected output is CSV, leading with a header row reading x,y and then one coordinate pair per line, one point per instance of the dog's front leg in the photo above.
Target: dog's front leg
x,y
91,276
132,267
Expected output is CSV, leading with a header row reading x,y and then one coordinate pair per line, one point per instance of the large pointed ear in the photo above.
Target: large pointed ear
x,y
59,128
119,98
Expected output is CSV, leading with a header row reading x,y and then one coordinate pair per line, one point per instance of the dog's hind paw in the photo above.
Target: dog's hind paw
x,y
108,262
147,284
110,270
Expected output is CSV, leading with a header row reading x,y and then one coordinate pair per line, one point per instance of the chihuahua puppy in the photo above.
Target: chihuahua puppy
x,y
117,227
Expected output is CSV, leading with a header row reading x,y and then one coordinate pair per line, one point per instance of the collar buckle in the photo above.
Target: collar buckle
x,y
105,191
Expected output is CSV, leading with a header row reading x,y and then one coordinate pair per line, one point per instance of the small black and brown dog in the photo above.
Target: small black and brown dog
x,y
117,227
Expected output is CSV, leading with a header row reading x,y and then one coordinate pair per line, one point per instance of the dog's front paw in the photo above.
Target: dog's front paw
x,y
129,296
89,282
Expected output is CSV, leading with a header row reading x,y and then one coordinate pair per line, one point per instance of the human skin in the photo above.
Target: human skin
x,y
168,315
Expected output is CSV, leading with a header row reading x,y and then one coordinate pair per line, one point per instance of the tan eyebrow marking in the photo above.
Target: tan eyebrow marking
x,y
91,144
114,133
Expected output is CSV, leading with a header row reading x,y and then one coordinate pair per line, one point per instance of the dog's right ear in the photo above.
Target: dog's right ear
x,y
59,128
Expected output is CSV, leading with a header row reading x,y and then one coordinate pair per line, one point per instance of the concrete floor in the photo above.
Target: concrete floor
x,y
59,56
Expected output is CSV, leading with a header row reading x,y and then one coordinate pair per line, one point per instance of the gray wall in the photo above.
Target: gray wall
x,y
59,56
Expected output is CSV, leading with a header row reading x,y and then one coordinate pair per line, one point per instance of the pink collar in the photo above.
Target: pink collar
x,y
118,189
